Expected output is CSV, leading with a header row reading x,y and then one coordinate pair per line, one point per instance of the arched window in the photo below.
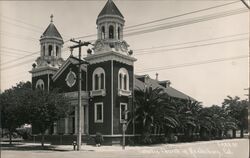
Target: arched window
x,y
103,32
96,82
123,80
120,81
111,32
98,79
102,81
40,84
118,31
50,50
57,50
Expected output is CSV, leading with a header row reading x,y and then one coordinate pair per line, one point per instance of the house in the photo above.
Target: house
x,y
108,79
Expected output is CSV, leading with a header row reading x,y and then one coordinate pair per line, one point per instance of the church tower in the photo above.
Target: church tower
x,y
50,60
110,75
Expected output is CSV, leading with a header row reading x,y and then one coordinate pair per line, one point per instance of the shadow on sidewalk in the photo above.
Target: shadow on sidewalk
x,y
22,147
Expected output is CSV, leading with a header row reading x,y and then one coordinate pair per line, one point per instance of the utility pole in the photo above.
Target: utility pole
x,y
248,6
79,118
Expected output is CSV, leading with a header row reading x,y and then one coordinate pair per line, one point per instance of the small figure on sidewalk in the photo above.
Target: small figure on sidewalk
x,y
98,139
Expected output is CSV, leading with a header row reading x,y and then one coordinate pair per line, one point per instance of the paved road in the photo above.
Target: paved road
x,y
237,148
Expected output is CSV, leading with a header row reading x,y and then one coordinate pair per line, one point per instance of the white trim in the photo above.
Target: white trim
x,y
40,83
126,108
65,65
98,71
101,92
67,77
112,96
110,55
123,72
42,71
95,110
124,92
74,95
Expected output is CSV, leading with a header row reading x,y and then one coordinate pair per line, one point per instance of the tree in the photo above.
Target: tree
x,y
214,121
237,109
153,112
187,112
12,111
46,108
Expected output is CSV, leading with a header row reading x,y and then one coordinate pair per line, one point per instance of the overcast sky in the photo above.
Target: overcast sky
x,y
208,70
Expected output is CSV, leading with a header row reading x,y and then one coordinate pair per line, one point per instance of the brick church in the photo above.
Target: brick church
x,y
108,80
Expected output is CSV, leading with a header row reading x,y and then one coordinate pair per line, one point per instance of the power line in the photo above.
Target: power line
x,y
9,53
37,28
18,64
188,21
193,46
30,54
18,50
192,64
11,35
184,43
180,15
8,67
167,18
20,26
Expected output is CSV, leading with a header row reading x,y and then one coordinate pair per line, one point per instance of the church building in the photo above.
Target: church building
x,y
108,79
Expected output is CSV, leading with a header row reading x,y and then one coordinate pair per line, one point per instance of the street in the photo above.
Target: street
x,y
234,148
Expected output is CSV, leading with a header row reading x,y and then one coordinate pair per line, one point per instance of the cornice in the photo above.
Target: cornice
x,y
109,56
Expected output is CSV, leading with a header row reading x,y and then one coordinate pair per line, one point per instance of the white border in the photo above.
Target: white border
x,y
40,83
95,109
67,77
126,108
98,71
123,72
112,96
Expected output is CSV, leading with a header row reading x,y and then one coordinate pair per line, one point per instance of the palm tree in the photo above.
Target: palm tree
x,y
237,109
213,121
153,112
187,116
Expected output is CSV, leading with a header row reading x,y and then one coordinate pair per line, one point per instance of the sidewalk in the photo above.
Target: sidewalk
x,y
230,148
228,143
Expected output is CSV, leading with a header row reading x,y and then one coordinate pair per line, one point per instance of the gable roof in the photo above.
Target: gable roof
x,y
51,31
155,84
110,9
70,60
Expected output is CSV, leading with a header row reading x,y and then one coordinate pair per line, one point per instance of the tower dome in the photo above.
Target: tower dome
x,y
51,43
110,23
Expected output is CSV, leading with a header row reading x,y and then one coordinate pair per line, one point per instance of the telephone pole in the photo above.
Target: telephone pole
x,y
79,45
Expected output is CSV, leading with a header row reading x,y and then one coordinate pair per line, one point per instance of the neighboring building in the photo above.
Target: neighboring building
x,y
108,81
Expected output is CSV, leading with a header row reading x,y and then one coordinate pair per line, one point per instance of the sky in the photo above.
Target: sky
x,y
203,56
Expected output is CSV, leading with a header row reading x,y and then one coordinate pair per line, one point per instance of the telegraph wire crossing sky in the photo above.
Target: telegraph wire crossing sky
x,y
200,46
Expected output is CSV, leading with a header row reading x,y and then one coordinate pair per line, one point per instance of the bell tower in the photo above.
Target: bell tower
x,y
110,23
51,46
110,75
50,59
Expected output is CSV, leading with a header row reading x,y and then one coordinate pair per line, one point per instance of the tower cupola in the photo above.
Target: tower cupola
x,y
110,23
51,43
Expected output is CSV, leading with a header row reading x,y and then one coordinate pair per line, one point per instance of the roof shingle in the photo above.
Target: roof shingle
x,y
51,31
110,9
154,84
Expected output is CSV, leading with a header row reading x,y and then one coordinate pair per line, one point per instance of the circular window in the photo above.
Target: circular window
x,y
71,79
